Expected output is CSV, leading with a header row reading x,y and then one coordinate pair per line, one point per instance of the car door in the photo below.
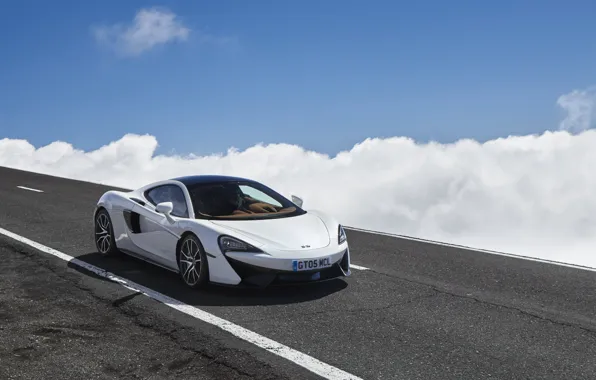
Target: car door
x,y
157,235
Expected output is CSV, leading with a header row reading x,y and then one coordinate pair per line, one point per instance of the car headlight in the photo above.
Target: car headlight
x,y
341,235
228,243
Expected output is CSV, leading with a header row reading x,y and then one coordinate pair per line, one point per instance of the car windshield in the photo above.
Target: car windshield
x,y
240,200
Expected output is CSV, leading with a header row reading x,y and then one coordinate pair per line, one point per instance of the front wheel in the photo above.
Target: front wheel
x,y
192,262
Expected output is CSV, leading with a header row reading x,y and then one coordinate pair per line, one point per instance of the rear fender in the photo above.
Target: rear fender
x,y
115,203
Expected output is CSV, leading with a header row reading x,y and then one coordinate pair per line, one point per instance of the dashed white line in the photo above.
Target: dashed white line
x,y
357,267
512,255
30,189
314,365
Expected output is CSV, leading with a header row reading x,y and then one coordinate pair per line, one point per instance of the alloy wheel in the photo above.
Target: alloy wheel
x,y
103,236
190,262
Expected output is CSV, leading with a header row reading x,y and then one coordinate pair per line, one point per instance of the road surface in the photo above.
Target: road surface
x,y
419,310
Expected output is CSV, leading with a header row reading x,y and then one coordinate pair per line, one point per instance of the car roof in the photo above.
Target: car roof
x,y
209,178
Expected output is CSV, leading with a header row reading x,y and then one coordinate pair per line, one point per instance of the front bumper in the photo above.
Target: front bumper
x,y
257,276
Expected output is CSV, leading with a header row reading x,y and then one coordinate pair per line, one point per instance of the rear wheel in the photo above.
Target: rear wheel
x,y
192,262
104,234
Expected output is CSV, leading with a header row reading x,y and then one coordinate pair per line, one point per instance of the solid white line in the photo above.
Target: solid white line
x,y
30,189
314,365
515,256
357,267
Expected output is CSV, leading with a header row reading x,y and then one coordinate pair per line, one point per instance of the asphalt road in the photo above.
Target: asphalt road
x,y
421,311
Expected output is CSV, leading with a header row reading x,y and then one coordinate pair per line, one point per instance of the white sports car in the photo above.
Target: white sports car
x,y
222,230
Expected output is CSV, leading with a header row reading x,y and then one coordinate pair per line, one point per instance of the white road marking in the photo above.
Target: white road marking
x,y
358,267
314,365
30,189
521,257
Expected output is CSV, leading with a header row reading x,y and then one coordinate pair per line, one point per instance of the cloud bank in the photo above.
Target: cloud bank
x,y
530,195
533,195
151,27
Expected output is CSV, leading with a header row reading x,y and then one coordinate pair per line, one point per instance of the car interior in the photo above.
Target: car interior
x,y
229,201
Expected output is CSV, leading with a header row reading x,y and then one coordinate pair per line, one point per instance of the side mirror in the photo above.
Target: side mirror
x,y
297,200
164,208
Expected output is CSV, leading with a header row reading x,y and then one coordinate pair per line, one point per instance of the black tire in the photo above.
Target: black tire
x,y
104,234
189,256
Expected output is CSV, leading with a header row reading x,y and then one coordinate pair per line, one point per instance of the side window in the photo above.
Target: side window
x,y
169,193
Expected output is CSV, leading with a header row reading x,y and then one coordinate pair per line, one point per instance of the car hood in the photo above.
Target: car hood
x,y
305,231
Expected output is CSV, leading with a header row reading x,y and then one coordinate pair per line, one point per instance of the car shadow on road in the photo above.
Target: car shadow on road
x,y
170,284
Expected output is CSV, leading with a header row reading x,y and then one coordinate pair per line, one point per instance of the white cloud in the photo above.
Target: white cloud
x,y
580,106
530,195
150,27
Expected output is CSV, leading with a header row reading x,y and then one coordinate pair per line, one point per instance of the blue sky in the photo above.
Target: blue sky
x,y
321,74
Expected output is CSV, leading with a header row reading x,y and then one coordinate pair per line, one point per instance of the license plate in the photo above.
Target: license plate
x,y
311,264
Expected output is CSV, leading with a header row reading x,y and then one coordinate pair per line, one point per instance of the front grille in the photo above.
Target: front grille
x,y
258,276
